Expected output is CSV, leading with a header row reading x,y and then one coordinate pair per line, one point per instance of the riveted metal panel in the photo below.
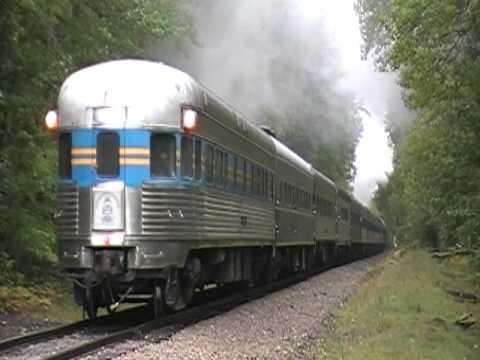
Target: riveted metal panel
x,y
73,251
67,209
344,230
133,210
84,210
204,214
356,213
325,221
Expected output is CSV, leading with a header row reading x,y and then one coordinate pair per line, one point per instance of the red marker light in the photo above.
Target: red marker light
x,y
51,120
189,119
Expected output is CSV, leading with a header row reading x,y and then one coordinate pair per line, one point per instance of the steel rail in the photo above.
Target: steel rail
x,y
192,315
61,331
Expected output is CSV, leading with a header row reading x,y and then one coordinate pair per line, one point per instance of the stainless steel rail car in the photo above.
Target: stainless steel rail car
x,y
163,188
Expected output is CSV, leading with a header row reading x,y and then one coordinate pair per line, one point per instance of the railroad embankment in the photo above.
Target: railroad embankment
x,y
410,307
33,303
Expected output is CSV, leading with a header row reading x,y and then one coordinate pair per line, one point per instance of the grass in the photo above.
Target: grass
x,y
403,312
45,298
42,298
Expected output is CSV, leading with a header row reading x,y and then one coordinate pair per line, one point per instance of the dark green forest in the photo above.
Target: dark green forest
x,y
433,195
42,42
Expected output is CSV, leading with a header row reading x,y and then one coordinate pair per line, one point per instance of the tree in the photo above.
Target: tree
x,y
435,48
41,42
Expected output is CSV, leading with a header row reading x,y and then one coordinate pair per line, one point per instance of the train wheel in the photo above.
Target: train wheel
x,y
89,305
158,299
110,309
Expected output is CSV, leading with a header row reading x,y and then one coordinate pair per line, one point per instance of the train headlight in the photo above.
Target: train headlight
x,y
52,121
189,119
107,209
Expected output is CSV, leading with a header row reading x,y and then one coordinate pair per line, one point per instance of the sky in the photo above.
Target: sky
x,y
373,153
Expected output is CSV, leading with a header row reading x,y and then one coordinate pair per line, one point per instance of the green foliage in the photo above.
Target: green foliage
x,y
403,312
433,193
41,42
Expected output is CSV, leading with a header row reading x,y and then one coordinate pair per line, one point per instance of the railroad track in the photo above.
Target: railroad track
x,y
175,321
44,344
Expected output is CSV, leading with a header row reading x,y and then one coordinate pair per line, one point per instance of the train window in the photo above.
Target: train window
x,y
258,180
65,156
219,168
235,172
258,184
251,172
108,156
243,169
261,182
271,186
265,184
187,157
226,170
163,155
198,159
209,164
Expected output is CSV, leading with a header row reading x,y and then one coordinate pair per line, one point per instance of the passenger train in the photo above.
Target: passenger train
x,y
163,189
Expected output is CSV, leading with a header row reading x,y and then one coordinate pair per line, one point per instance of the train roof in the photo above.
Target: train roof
x,y
287,155
147,89
151,93
323,177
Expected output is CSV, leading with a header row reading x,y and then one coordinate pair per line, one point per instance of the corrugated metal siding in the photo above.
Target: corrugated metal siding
x,y
67,207
207,214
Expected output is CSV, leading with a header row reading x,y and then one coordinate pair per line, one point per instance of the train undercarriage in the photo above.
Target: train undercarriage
x,y
110,283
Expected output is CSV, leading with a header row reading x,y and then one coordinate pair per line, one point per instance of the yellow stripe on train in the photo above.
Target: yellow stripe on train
x,y
123,161
133,161
135,151
84,151
122,152
84,162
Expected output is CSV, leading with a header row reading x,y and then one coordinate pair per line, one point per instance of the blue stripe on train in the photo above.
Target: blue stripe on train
x,y
135,138
133,176
82,138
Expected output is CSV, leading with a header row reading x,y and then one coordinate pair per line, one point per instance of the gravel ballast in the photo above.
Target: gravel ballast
x,y
281,325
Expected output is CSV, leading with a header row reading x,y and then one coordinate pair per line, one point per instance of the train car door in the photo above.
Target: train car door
x,y
108,187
